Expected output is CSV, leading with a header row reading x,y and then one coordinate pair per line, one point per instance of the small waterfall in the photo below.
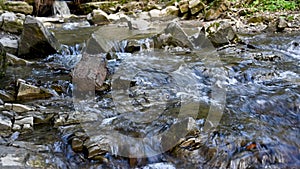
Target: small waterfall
x,y
61,8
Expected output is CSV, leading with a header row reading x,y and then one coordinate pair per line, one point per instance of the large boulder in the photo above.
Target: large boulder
x,y
2,61
36,40
18,7
11,23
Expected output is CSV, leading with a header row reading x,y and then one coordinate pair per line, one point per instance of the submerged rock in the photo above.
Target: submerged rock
x,y
36,40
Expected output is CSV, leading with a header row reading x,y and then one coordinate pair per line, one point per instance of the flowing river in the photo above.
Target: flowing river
x,y
250,93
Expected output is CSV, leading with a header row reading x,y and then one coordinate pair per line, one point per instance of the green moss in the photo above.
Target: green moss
x,y
274,5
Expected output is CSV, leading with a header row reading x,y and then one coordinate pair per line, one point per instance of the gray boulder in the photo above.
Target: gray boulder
x,y
36,40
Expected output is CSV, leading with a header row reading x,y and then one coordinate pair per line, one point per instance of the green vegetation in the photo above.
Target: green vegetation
x,y
274,5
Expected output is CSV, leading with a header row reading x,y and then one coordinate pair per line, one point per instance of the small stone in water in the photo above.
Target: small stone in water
x,y
77,145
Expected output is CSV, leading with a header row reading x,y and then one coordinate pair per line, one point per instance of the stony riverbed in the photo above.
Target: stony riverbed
x,y
152,93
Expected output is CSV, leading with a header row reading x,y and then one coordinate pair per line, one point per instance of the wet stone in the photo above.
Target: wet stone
x,y
77,144
221,33
6,96
23,123
36,40
19,108
31,92
15,61
170,10
5,123
1,102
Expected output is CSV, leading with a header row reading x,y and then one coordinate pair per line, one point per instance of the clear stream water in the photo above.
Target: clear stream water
x,y
259,128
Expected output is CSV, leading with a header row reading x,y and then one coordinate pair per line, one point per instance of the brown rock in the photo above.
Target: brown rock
x,y
184,6
31,92
77,144
90,73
